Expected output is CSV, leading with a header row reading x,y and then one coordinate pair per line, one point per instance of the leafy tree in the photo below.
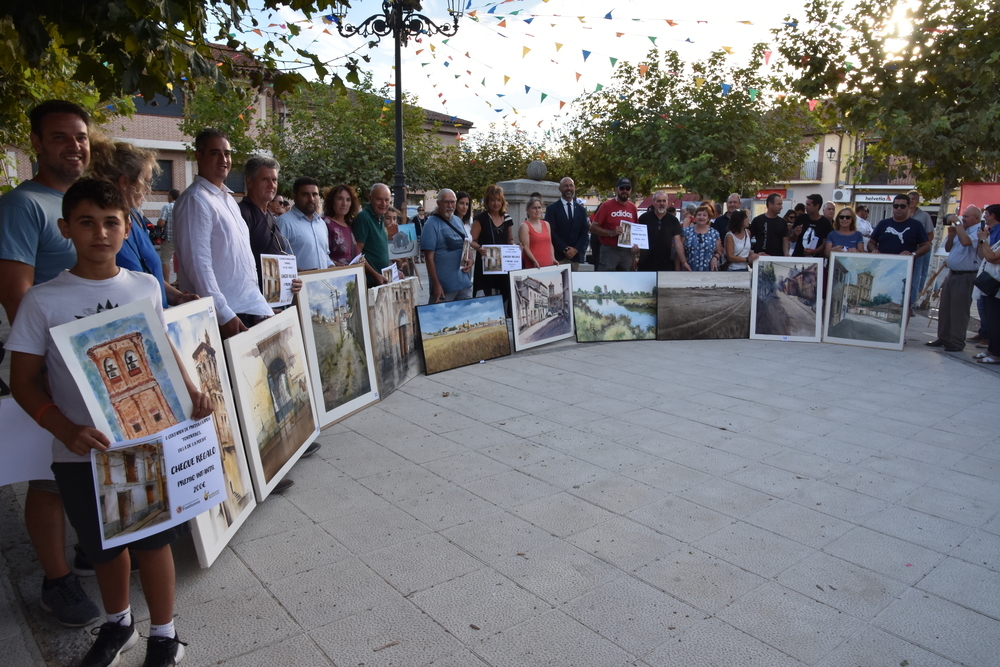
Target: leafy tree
x,y
500,154
349,137
708,126
124,47
232,112
929,94
880,299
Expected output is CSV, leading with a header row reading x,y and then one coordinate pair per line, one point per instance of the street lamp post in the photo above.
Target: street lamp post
x,y
400,19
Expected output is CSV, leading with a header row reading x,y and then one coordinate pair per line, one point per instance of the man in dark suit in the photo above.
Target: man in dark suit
x,y
569,224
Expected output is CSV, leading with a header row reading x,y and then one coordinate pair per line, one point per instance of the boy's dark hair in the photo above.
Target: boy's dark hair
x,y
38,114
301,182
201,140
97,191
817,200
174,194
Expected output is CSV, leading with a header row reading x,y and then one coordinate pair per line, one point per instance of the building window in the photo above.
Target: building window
x,y
110,369
132,363
164,181
157,416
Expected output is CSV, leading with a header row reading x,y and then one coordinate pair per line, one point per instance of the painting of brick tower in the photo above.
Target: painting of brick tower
x,y
136,398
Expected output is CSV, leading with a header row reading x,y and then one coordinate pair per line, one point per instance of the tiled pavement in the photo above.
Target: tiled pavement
x,y
650,503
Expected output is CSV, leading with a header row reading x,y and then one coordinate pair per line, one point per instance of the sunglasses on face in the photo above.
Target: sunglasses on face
x,y
901,206
843,217
626,188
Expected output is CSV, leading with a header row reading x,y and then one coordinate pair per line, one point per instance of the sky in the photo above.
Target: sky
x,y
889,282
623,282
540,49
434,318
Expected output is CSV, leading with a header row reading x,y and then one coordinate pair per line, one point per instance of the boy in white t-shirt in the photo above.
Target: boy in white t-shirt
x,y
95,219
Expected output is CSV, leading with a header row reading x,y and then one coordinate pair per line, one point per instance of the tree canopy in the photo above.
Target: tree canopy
x,y
923,87
708,126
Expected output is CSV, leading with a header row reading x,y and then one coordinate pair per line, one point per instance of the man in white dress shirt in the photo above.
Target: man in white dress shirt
x,y
305,228
213,243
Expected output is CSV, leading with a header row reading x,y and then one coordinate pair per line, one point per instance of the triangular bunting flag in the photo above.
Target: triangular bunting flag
x,y
613,61
558,46
544,95
502,24
505,79
753,94
812,105
671,23
599,87
643,69
727,49
525,52
652,39
586,54
767,57
699,82
619,34
578,75
608,16
726,88
527,89
561,105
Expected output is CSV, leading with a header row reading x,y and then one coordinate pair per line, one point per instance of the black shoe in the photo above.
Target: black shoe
x,y
935,343
163,651
112,640
282,486
68,602
949,348
310,450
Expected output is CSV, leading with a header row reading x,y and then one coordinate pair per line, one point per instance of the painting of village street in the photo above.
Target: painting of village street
x,y
194,332
334,312
703,305
614,306
543,306
787,299
273,397
865,300
459,333
131,488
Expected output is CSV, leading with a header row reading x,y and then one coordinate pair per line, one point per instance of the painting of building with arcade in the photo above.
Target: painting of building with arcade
x,y
132,488
393,313
273,395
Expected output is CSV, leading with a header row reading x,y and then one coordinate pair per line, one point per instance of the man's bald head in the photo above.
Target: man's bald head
x,y
971,216
379,197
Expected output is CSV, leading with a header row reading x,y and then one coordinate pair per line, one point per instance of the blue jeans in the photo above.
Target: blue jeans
x,y
920,266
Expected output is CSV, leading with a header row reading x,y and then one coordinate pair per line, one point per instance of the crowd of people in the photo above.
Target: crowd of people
x,y
75,237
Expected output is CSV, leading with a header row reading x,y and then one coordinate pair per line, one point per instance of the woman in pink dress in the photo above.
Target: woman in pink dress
x,y
339,209
536,238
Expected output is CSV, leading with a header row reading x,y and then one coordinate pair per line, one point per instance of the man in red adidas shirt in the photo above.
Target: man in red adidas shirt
x,y
606,224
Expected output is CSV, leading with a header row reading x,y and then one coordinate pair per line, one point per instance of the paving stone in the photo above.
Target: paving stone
x,y
841,503
365,638
699,579
874,647
728,498
951,506
752,549
478,605
971,586
420,563
497,536
942,627
680,518
617,493
404,482
370,530
555,640
510,488
923,529
625,543
980,548
790,622
557,572
466,467
842,585
450,506
633,615
891,556
801,524
713,642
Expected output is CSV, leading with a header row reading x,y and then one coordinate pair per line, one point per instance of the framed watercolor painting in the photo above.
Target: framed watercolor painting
x,y
459,333
694,305
866,300
194,332
542,305
268,368
392,314
787,299
614,306
333,310
122,356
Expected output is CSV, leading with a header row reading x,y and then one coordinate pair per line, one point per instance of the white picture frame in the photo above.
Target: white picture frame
x,y
786,299
856,312
542,315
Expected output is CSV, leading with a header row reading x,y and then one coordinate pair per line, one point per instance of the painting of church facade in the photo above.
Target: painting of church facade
x,y
122,355
131,488
333,308
270,382
392,312
194,332
866,300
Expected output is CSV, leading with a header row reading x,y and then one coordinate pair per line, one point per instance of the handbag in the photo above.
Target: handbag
x,y
987,284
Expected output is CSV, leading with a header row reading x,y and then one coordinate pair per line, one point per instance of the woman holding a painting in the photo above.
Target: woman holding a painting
x,y
702,245
491,227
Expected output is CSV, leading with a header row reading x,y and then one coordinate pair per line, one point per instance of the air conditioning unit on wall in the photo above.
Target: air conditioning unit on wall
x,y
841,195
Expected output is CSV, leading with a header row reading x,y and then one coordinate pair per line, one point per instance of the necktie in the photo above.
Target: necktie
x,y
569,210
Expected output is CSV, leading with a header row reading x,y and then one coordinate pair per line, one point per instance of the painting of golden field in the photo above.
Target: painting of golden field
x,y
460,333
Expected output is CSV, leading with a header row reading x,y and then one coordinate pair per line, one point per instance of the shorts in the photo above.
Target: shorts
x,y
47,485
76,486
